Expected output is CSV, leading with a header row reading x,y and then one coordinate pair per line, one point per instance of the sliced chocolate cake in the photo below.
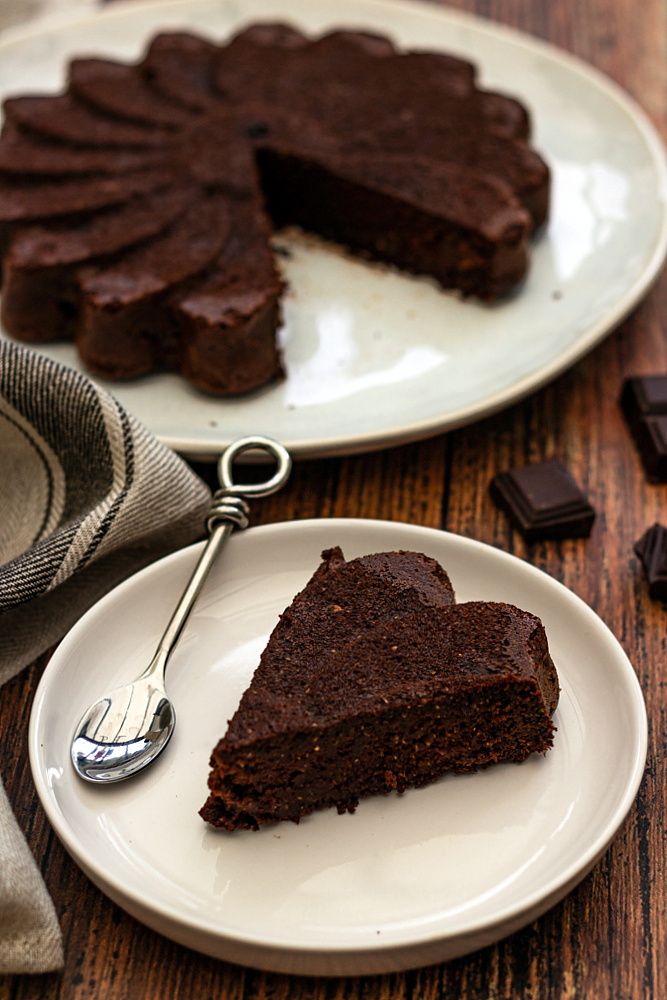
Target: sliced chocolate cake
x,y
374,680
136,208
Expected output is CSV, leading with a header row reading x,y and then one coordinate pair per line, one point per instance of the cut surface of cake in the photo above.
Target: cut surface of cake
x,y
374,680
137,208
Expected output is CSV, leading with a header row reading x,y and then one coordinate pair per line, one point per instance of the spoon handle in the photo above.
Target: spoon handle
x,y
228,510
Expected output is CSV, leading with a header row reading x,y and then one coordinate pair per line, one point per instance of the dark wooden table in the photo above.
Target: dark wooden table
x,y
608,939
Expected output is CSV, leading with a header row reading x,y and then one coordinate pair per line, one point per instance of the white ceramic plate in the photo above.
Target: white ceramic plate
x,y
404,881
375,358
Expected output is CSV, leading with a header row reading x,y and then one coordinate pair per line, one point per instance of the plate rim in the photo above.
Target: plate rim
x,y
194,447
403,940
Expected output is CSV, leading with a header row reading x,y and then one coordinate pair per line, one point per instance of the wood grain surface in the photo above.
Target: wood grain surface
x,y
608,939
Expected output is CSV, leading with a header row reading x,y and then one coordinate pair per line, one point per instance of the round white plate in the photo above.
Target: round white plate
x,y
374,357
405,881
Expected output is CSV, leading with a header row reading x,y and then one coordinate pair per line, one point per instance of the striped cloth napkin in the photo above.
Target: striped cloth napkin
x,y
87,497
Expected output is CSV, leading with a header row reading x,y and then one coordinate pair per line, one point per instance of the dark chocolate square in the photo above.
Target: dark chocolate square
x,y
644,404
654,449
543,501
652,550
644,396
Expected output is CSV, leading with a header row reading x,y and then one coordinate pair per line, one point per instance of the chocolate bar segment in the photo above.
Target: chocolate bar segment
x,y
652,440
644,396
644,405
652,550
543,501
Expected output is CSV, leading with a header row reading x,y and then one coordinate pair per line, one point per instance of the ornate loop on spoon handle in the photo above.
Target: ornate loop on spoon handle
x,y
228,510
272,448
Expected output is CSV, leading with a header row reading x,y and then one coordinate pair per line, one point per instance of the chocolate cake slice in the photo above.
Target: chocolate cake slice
x,y
126,304
374,680
118,89
27,155
461,226
65,119
228,317
23,203
516,164
179,65
43,263
400,155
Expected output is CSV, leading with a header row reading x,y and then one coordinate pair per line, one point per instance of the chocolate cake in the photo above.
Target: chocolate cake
x,y
137,207
374,680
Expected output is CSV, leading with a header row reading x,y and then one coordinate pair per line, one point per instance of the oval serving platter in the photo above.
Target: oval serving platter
x,y
375,358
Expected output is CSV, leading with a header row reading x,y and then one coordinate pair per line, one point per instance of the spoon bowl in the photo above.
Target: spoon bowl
x,y
123,732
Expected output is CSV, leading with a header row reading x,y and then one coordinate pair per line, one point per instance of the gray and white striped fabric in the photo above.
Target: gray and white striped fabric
x,y
87,496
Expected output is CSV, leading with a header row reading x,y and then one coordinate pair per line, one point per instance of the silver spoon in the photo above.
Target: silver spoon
x,y
126,730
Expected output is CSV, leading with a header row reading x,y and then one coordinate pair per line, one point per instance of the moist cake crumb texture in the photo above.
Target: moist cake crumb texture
x,y
375,680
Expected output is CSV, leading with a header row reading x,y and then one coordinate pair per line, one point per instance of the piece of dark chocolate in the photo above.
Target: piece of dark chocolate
x,y
543,501
644,405
652,550
644,396
651,440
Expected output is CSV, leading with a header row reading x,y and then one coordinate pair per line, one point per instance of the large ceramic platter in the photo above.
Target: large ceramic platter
x,y
373,357
405,881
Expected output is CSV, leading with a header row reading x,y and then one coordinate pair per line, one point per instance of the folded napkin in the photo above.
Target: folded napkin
x,y
87,496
